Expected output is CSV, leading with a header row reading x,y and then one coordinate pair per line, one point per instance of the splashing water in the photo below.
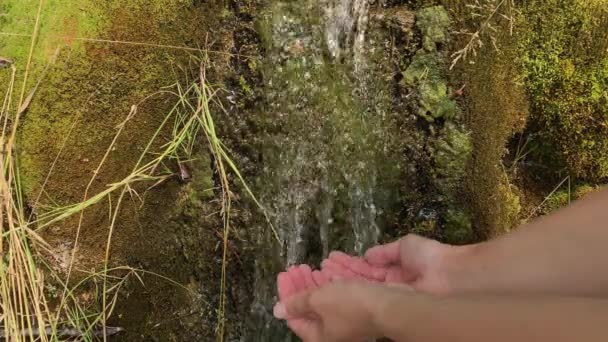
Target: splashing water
x,y
324,146
346,23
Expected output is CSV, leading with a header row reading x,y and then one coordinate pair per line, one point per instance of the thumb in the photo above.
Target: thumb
x,y
417,252
384,255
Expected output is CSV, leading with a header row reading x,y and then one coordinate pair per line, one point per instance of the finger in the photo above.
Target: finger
x,y
384,255
297,278
285,286
307,330
337,270
328,270
306,273
319,278
358,266
298,306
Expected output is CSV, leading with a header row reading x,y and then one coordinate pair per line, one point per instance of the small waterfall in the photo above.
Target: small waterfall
x,y
324,142
324,212
292,207
346,22
363,217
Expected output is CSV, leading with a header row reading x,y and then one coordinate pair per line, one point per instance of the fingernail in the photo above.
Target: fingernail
x,y
279,311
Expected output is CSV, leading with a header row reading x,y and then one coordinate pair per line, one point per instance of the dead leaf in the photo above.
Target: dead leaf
x,y
29,98
27,101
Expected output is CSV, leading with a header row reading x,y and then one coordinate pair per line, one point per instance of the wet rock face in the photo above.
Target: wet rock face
x,y
330,146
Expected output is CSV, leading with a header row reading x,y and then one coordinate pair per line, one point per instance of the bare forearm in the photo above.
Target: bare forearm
x,y
564,254
413,318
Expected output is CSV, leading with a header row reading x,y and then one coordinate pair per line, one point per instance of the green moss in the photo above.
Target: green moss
x,y
88,91
426,228
563,197
457,228
510,209
566,76
60,22
451,153
433,22
424,66
93,86
425,73
202,184
435,102
495,107
449,143
245,87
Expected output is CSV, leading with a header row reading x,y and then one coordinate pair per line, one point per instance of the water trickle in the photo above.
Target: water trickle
x,y
346,22
363,217
326,142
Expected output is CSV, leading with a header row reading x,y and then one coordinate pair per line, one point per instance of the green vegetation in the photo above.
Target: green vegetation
x,y
424,66
449,143
59,23
424,71
434,23
565,65
451,153
104,165
457,228
96,137
494,108
564,195
435,102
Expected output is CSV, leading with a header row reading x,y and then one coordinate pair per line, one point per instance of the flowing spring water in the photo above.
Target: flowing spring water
x,y
346,22
327,171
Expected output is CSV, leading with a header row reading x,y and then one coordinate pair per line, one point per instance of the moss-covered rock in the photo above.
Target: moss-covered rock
x,y
426,71
434,23
435,102
494,108
566,75
451,152
424,66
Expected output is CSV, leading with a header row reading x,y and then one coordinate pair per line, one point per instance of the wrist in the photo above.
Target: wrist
x,y
391,320
455,268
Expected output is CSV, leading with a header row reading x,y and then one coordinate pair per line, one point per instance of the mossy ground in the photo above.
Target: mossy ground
x,y
88,91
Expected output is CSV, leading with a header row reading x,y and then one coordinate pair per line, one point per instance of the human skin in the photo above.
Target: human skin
x,y
542,282
560,254
356,311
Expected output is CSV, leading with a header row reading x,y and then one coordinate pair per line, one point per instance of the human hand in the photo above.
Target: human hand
x,y
339,311
415,261
420,263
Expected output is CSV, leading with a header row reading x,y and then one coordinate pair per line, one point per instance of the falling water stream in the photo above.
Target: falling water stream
x,y
328,177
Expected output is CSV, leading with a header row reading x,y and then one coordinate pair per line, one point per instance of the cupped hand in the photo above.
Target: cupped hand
x,y
415,261
337,312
